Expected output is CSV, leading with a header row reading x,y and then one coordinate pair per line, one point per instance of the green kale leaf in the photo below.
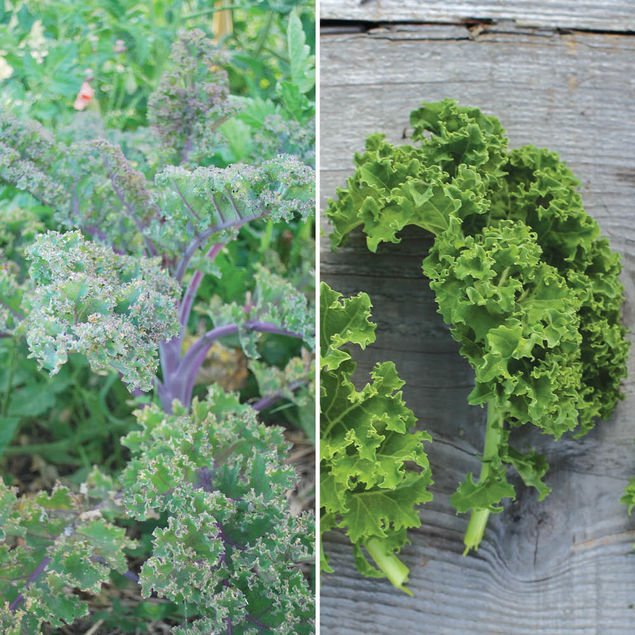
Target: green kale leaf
x,y
374,470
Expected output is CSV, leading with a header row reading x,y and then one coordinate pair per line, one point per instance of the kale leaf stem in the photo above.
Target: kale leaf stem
x,y
385,558
493,438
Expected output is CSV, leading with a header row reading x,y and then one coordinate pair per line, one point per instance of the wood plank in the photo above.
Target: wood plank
x,y
608,15
563,565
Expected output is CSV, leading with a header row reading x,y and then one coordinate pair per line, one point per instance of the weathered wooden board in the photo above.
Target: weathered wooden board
x,y
605,15
564,565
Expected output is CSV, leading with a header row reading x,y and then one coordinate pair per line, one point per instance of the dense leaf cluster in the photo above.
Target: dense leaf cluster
x,y
112,307
228,551
210,201
521,275
51,543
116,298
373,468
191,100
92,186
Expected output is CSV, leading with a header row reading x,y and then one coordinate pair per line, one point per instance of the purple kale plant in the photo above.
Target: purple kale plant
x,y
138,231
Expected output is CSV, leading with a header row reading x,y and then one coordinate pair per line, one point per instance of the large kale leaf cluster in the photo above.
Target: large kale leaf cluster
x,y
228,549
522,276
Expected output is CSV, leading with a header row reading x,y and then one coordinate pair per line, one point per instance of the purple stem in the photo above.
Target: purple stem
x,y
253,620
202,237
185,201
133,577
188,298
179,384
232,202
186,149
206,341
217,208
204,475
95,233
178,379
34,576
170,356
225,539
170,351
190,377
267,402
192,288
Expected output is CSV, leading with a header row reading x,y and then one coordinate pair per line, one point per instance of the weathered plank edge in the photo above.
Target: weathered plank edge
x,y
611,15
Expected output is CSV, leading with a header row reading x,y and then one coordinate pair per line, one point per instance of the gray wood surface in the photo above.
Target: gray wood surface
x,y
602,15
564,565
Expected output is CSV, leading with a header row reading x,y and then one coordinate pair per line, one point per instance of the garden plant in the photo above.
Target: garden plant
x,y
133,251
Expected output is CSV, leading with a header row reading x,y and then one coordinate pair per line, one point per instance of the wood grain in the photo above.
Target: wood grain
x,y
564,565
607,15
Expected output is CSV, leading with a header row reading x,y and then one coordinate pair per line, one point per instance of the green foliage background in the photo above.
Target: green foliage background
x,y
50,45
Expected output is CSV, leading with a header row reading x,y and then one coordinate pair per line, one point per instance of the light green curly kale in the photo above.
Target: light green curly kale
x,y
228,549
113,308
521,275
231,548
367,442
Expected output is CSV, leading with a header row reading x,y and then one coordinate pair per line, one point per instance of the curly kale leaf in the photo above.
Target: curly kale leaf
x,y
231,547
521,274
516,321
54,550
367,486
113,308
211,203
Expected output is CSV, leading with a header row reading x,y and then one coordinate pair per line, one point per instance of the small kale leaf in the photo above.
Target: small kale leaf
x,y
368,486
